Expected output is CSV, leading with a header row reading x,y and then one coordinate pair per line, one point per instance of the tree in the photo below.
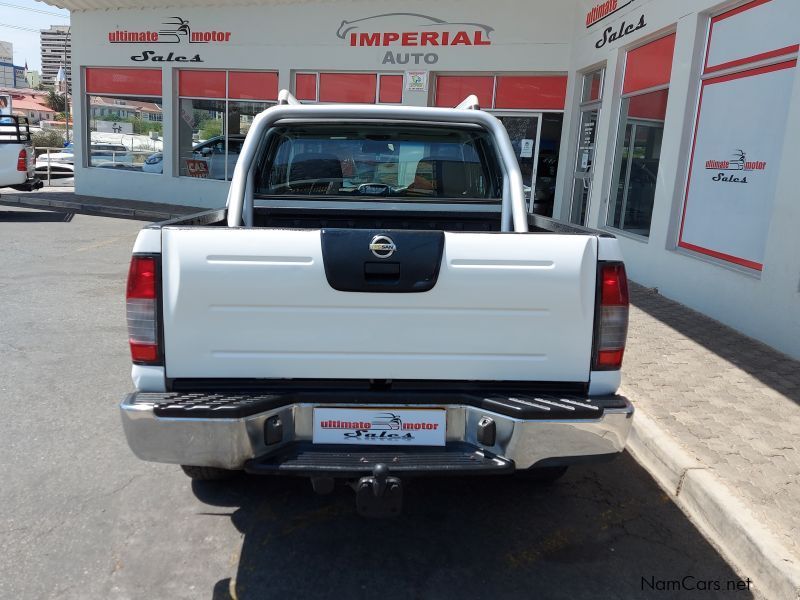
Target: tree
x,y
48,138
56,102
210,128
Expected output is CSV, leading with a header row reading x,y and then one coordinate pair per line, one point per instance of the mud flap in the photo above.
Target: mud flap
x,y
379,495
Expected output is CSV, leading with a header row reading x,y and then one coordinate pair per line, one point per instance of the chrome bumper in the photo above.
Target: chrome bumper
x,y
229,443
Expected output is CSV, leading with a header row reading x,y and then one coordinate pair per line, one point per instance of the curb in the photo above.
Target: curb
x,y
721,517
100,210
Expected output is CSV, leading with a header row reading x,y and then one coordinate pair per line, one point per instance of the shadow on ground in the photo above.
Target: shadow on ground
x,y
607,532
767,365
18,216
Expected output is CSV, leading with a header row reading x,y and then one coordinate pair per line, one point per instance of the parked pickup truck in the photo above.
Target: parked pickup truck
x,y
16,155
375,303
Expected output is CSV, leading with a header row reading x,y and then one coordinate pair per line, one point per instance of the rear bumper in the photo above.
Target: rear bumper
x,y
227,431
29,185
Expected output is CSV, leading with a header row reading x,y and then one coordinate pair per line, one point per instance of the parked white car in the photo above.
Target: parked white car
x,y
61,164
111,156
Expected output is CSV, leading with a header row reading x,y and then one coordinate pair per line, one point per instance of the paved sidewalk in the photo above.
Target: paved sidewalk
x,y
729,401
65,199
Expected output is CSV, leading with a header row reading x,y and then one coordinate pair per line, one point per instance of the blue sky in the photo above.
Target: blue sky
x,y
26,43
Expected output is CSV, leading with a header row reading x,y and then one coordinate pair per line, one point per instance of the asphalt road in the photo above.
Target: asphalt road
x,y
82,518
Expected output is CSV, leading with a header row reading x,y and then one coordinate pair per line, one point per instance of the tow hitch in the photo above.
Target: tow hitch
x,y
379,495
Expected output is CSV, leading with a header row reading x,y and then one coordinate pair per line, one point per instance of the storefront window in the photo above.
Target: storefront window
x,y
583,174
592,86
636,166
641,128
125,117
211,130
361,88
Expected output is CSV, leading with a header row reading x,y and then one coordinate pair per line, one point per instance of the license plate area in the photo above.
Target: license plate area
x,y
380,425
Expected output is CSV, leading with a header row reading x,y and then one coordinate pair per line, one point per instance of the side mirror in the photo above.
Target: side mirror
x,y
206,151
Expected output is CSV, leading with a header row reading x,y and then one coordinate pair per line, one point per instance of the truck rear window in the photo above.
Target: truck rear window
x,y
393,161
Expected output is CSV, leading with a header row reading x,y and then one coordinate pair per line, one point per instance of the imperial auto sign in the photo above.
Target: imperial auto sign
x,y
412,30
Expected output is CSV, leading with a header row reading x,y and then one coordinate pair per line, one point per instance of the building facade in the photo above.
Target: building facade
x,y
11,76
56,45
673,125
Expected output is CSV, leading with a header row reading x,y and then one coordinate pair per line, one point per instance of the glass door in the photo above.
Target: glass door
x,y
524,131
582,186
591,96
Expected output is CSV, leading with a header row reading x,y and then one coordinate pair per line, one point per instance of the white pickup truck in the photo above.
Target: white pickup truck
x,y
16,155
374,303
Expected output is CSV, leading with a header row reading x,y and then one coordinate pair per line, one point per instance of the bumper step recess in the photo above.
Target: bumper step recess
x,y
210,406
227,405
307,459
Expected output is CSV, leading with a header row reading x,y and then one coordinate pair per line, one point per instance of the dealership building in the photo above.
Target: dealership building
x,y
673,124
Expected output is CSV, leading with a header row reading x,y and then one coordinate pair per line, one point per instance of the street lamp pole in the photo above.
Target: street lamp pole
x,y
66,86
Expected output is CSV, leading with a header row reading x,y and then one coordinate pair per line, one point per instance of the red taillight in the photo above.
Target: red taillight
x,y
22,160
141,303
142,278
612,328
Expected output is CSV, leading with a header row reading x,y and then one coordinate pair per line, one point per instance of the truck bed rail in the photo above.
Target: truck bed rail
x,y
14,130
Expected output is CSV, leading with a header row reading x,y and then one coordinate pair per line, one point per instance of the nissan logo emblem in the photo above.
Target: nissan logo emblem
x,y
382,246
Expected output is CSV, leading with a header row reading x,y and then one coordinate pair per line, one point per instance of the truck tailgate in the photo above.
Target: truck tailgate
x,y
256,303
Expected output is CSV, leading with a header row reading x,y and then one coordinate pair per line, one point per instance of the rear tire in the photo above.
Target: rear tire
x,y
542,474
207,473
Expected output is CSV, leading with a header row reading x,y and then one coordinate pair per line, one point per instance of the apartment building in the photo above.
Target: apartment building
x,y
56,44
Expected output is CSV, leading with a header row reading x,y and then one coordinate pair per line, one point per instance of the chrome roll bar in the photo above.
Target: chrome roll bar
x,y
513,216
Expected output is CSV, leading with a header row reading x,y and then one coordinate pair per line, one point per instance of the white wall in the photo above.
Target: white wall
x,y
765,306
531,36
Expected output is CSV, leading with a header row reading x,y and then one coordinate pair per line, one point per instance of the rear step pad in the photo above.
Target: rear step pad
x,y
238,405
305,458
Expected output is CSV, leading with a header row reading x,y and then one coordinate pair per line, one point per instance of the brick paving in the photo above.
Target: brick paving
x,y
732,402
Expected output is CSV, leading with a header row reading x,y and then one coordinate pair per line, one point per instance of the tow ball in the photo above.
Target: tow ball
x,y
379,495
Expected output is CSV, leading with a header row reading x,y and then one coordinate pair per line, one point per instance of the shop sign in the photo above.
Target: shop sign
x,y
735,169
412,30
732,180
416,81
114,127
612,34
603,10
153,56
197,168
175,30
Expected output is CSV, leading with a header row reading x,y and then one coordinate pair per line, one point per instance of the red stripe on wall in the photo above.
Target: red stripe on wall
x,y
451,90
253,85
755,58
738,10
391,89
649,65
133,82
305,86
347,87
201,84
750,264
546,92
